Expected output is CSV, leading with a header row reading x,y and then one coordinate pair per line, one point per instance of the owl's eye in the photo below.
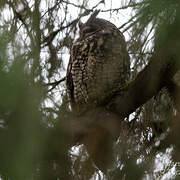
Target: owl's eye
x,y
88,29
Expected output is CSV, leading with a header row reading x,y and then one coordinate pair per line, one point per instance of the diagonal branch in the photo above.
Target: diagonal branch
x,y
156,75
54,84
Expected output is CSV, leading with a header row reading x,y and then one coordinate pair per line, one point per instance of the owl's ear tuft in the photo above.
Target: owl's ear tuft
x,y
80,24
93,16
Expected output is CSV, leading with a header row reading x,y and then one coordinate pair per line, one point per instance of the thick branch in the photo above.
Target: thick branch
x,y
155,76
125,100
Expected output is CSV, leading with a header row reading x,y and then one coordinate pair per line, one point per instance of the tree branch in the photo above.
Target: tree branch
x,y
156,75
54,84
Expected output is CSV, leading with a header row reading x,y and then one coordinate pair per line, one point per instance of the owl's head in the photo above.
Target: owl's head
x,y
94,25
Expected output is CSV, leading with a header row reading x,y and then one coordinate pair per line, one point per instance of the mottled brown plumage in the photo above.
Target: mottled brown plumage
x,y
98,63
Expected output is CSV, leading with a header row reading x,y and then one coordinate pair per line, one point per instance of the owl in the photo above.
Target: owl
x,y
99,62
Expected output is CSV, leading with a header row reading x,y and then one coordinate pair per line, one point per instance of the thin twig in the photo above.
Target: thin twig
x,y
54,84
123,7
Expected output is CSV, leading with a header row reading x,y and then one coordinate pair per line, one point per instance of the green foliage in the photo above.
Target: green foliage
x,y
35,126
156,11
26,146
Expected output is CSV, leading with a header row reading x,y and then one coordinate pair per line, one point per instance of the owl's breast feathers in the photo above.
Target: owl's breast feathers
x,y
98,63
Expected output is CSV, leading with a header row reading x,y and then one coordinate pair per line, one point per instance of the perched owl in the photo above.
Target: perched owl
x,y
98,63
